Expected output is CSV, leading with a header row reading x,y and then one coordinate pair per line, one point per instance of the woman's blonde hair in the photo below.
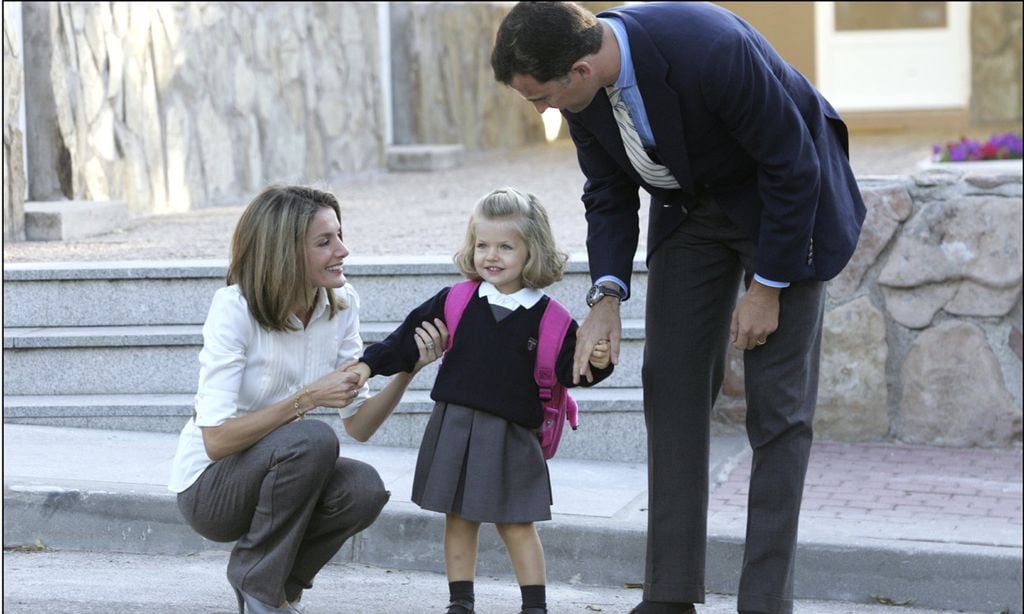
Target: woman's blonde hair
x,y
268,255
544,262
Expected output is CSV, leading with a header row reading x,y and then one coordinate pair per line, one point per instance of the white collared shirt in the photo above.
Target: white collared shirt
x,y
244,367
524,297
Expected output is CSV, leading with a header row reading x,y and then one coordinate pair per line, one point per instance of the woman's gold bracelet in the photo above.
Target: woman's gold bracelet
x,y
299,412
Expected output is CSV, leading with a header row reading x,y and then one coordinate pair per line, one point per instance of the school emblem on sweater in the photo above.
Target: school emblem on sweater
x,y
531,344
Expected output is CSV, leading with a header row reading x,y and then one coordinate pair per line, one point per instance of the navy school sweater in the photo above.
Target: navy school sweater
x,y
490,366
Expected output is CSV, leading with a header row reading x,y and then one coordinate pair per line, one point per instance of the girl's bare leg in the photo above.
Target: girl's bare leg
x,y
460,547
525,551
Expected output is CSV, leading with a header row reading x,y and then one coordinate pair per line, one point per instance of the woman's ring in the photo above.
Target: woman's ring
x,y
430,346
760,341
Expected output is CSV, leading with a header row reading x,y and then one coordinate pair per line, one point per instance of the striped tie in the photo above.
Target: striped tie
x,y
653,173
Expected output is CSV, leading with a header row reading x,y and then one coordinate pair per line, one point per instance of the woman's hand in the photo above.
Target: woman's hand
x,y
336,389
359,368
431,340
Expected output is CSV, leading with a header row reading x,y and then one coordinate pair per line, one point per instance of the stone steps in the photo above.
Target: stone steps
x,y
163,359
179,292
609,418
115,346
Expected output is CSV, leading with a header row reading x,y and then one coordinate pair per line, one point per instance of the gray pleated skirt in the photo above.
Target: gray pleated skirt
x,y
481,467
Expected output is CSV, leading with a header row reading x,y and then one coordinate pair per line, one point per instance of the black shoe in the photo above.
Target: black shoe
x,y
533,611
663,607
247,602
460,606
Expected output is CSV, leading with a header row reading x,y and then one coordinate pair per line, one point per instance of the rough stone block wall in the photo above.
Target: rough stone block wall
x,y
14,170
175,106
444,86
171,106
996,69
922,333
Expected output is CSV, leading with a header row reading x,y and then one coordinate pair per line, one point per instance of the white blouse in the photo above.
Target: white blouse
x,y
244,367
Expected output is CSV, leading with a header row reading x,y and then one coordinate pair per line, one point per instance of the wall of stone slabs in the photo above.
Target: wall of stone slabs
x,y
922,339
442,81
176,106
14,159
996,66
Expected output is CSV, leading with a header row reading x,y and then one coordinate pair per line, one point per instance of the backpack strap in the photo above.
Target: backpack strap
x,y
455,303
554,324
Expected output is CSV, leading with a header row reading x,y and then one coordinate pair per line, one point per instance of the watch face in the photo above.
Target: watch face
x,y
596,292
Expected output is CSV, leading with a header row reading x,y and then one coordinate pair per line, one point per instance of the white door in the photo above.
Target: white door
x,y
874,56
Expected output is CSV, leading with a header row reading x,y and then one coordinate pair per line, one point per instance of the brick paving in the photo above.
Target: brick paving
x,y
969,496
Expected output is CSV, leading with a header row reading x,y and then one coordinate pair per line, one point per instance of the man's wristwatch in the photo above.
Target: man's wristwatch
x,y
599,291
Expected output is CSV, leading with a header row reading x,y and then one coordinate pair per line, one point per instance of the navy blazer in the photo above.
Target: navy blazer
x,y
731,120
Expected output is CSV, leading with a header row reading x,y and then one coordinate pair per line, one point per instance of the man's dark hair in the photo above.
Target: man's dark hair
x,y
543,40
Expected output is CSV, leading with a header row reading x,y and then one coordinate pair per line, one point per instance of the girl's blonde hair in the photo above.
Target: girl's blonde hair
x,y
544,262
268,254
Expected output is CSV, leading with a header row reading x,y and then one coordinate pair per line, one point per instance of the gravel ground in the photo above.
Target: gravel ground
x,y
417,213
411,213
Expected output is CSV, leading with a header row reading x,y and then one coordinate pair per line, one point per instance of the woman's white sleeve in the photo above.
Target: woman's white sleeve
x,y
222,360
350,346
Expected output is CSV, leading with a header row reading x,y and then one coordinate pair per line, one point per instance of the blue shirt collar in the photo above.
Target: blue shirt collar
x,y
627,77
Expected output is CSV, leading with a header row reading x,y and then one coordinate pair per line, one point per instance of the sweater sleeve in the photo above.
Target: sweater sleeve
x,y
398,351
565,358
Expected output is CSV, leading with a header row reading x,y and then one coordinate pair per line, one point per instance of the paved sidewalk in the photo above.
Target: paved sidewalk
x,y
870,491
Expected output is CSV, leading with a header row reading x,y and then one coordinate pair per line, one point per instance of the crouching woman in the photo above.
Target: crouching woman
x,y
277,338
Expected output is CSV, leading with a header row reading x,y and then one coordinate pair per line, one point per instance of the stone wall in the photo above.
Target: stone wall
x,y
996,68
922,334
14,169
170,106
175,106
443,85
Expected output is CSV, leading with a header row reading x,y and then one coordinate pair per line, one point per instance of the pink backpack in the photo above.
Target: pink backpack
x,y
556,402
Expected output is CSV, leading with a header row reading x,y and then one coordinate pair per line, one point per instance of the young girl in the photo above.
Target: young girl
x,y
480,459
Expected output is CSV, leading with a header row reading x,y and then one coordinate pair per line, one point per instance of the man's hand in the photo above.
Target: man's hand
x,y
603,324
756,316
